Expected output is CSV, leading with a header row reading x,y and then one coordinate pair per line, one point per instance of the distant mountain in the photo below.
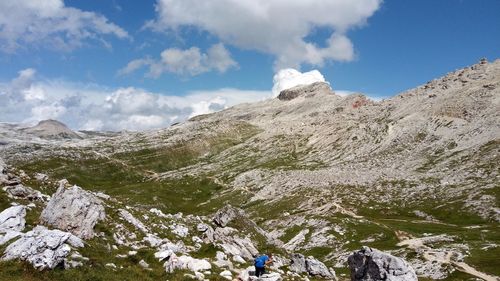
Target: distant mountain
x,y
52,129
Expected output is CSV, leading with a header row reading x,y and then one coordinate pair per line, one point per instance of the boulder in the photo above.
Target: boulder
x,y
126,215
301,264
225,215
24,192
43,248
372,264
13,219
75,210
186,262
12,222
226,274
232,244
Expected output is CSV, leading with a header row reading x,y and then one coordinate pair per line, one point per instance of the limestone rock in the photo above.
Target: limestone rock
x,y
305,91
43,248
371,264
186,262
24,192
126,215
74,210
41,177
234,245
12,222
301,264
12,219
227,214
226,274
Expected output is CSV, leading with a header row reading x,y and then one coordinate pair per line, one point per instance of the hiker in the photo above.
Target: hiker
x,y
261,262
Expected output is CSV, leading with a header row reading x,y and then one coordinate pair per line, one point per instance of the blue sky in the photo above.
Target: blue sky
x,y
194,57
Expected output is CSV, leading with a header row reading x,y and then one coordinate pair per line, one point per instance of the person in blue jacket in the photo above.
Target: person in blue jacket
x,y
261,262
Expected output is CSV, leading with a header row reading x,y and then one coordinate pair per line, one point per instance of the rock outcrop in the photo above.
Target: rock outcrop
x,y
12,222
370,264
227,214
186,262
301,264
21,191
75,210
305,91
43,248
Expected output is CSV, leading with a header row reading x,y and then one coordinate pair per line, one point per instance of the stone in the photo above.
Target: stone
x,y
305,91
298,263
158,212
301,264
226,274
43,248
273,276
226,214
164,254
12,222
232,244
75,210
13,219
186,262
179,230
144,264
372,264
238,259
24,192
202,227
41,177
126,215
317,268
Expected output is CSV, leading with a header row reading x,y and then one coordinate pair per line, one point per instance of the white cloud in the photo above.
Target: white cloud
x,y
184,62
289,78
93,107
277,27
49,23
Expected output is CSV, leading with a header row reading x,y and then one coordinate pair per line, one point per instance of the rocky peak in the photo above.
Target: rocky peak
x,y
52,129
309,90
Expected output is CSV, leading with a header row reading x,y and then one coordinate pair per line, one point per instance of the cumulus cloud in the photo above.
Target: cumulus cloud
x,y
289,78
27,99
275,27
49,23
186,62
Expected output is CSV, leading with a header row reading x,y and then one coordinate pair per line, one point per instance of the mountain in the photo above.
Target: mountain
x,y
52,129
312,173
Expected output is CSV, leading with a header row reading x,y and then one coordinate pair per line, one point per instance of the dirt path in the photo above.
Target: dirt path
x,y
442,257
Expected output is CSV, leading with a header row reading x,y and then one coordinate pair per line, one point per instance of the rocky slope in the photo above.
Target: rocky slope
x,y
315,176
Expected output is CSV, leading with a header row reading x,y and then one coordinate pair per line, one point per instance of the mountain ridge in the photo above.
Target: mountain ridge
x,y
414,175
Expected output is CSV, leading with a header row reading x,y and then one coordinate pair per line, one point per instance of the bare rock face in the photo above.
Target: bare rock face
x,y
43,248
370,264
24,192
12,222
186,263
305,91
227,214
301,264
75,210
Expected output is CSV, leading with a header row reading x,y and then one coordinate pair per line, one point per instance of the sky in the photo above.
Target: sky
x,y
140,65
